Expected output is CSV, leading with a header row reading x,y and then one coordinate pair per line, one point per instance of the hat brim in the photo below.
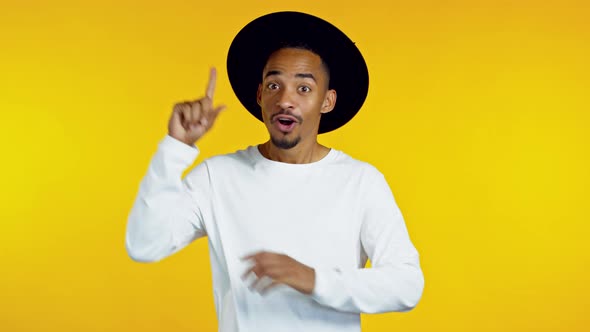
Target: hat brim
x,y
253,45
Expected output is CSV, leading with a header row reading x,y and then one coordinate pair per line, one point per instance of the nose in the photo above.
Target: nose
x,y
286,99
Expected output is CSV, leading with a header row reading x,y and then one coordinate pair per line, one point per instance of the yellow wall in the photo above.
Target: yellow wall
x,y
478,114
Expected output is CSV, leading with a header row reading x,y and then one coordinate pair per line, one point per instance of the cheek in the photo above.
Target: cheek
x,y
267,98
266,110
314,107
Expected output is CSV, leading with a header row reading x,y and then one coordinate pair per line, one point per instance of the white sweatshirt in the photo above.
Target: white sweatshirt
x,y
330,215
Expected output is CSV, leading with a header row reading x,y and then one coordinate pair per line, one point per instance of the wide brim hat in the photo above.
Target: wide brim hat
x,y
252,46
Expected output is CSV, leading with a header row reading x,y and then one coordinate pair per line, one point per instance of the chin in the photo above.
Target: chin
x,y
284,142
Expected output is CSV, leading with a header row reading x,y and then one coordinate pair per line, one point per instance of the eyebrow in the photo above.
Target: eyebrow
x,y
300,75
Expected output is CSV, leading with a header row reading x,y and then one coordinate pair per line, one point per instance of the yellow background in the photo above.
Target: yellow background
x,y
477,113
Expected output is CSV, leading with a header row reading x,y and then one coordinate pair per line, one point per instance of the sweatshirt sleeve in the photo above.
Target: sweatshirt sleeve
x,y
168,211
395,281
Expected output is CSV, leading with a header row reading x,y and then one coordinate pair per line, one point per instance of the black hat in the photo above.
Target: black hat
x,y
253,45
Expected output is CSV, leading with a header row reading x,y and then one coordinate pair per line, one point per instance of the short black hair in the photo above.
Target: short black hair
x,y
301,45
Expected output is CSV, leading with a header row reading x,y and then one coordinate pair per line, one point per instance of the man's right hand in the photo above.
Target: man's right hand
x,y
192,119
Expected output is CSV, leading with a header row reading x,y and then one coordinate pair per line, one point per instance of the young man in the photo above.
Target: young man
x,y
290,222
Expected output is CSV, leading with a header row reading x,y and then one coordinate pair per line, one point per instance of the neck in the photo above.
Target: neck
x,y
300,154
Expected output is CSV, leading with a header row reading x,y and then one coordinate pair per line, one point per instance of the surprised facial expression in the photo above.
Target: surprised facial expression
x,y
293,95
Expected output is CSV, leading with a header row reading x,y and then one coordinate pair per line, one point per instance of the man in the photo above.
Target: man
x,y
290,222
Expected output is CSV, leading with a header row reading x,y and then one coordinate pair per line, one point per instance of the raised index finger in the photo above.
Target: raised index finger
x,y
211,85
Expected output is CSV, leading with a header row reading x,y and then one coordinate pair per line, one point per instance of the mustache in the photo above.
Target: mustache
x,y
285,112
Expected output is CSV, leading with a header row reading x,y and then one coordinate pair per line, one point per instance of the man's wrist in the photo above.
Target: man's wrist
x,y
309,280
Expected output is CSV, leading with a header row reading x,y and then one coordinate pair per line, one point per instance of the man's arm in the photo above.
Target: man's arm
x,y
168,212
395,281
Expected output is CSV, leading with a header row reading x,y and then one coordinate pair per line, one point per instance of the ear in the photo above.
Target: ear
x,y
329,101
259,95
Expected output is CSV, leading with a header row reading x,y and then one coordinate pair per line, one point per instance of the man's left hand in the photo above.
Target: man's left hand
x,y
280,269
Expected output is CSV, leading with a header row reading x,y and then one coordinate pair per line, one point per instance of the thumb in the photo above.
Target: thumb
x,y
216,112
219,109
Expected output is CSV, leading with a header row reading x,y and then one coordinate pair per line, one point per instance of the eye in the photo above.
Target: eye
x,y
304,88
272,86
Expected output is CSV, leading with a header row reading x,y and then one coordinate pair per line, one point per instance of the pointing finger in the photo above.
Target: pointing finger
x,y
211,85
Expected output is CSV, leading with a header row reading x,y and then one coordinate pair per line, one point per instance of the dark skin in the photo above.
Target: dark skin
x,y
294,83
281,269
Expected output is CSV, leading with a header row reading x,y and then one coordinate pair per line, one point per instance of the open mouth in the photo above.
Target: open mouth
x,y
286,122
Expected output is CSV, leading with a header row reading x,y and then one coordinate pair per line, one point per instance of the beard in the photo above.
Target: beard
x,y
285,143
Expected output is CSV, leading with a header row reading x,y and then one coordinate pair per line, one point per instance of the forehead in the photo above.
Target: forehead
x,y
294,60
